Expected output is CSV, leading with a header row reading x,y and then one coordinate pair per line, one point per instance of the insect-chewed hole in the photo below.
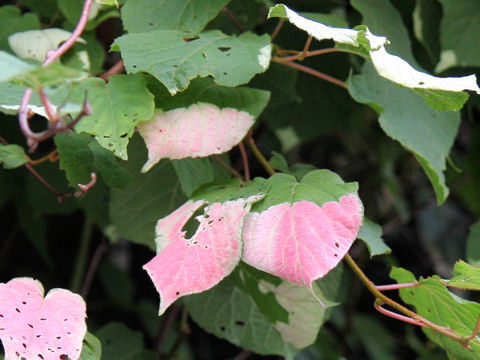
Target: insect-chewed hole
x,y
191,226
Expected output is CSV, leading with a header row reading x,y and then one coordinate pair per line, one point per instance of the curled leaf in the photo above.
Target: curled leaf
x,y
36,328
189,266
301,242
197,131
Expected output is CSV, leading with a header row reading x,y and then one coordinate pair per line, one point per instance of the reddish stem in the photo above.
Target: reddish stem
x,y
117,68
309,54
23,114
380,309
396,286
277,29
229,168
49,109
246,168
305,48
313,72
232,17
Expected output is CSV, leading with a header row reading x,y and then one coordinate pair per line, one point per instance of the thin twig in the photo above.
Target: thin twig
x,y
232,17
396,286
92,268
313,72
117,68
246,167
49,157
167,326
277,29
49,109
242,355
229,168
309,54
258,154
306,47
378,306
82,256
464,341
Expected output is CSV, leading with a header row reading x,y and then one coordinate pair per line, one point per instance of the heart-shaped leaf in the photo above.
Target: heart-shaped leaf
x,y
198,131
36,328
301,242
189,266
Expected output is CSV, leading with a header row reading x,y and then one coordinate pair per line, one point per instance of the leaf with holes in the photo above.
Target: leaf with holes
x,y
198,131
175,60
186,266
301,230
38,328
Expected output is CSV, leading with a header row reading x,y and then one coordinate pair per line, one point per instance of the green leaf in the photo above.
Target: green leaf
x,y
242,98
318,186
92,348
136,208
193,173
375,348
371,234
443,100
13,21
11,66
80,155
121,343
117,107
278,162
229,313
12,156
427,133
465,276
460,28
175,60
50,75
473,244
229,189
184,15
34,44
384,19
435,303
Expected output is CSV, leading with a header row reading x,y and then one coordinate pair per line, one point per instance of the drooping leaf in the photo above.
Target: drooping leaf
x,y
184,15
229,313
460,27
400,119
371,234
301,230
13,21
198,131
473,244
34,327
34,44
193,173
175,60
117,107
136,208
121,343
92,348
80,155
12,156
187,266
465,276
389,66
434,302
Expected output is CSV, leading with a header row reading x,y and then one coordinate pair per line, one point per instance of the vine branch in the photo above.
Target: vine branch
x,y
24,113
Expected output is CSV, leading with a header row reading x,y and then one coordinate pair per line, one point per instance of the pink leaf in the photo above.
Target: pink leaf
x,y
198,131
37,328
301,242
188,266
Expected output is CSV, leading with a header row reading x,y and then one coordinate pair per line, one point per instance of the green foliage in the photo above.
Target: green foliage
x,y
232,54
175,59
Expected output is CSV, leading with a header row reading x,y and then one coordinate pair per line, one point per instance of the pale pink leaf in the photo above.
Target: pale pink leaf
x,y
197,131
188,266
38,328
301,242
